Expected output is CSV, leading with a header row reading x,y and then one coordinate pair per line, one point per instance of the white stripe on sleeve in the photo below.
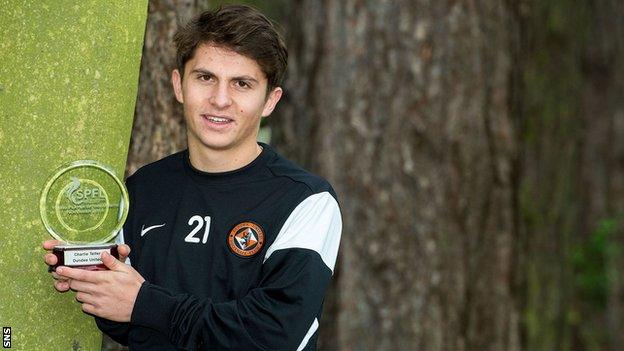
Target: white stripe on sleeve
x,y
309,334
314,224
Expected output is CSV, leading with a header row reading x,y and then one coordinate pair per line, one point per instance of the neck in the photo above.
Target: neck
x,y
217,161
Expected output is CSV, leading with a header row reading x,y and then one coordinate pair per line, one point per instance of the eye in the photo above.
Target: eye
x,y
205,77
242,84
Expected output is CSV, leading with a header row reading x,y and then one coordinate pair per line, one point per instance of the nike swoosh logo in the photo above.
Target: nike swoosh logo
x,y
145,230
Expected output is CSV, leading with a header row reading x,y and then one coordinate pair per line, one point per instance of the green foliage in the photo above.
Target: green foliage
x,y
592,283
590,261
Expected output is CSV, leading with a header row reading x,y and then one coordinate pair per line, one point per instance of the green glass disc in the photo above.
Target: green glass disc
x,y
84,202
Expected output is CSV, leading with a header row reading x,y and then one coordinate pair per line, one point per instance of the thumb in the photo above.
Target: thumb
x,y
110,262
124,252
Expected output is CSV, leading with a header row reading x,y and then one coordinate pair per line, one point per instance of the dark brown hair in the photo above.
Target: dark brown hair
x,y
240,28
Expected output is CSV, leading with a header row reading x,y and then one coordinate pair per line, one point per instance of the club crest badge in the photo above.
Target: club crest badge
x,y
246,239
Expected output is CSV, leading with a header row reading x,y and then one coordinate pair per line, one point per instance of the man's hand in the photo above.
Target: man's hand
x,y
109,294
62,283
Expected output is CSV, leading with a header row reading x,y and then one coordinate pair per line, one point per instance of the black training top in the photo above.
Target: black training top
x,y
238,260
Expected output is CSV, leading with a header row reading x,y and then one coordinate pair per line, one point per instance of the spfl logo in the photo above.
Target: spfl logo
x,y
78,194
82,205
6,337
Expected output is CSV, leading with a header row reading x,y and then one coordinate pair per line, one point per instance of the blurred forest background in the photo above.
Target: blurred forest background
x,y
477,147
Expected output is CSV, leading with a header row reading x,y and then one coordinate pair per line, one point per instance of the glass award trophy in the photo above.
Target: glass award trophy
x,y
84,205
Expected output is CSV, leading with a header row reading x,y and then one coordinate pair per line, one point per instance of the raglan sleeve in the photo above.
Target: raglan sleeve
x,y
118,331
279,314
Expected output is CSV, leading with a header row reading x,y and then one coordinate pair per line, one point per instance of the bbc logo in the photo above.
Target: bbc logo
x,y
6,337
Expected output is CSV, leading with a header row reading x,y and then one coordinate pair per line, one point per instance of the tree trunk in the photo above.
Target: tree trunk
x,y
68,83
603,166
549,124
159,122
568,97
404,107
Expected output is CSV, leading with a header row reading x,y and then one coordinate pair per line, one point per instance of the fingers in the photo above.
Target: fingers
x,y
82,287
61,285
124,252
110,261
59,277
50,259
50,244
78,274
87,302
84,297
88,308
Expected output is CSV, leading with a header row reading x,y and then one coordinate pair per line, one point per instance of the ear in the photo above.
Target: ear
x,y
176,80
271,102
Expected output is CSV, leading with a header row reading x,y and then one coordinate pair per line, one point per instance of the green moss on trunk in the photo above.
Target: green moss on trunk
x,y
68,80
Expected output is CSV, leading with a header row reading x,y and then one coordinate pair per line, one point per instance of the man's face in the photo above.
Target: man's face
x,y
224,96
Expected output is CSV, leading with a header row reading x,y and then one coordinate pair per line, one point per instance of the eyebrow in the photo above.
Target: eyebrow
x,y
207,72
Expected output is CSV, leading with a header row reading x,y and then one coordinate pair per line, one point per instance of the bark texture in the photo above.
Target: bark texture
x,y
549,115
568,104
404,107
159,122
603,169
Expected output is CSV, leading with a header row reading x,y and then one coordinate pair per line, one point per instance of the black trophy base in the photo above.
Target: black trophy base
x,y
83,256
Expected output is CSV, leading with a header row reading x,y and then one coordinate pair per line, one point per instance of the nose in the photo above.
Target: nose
x,y
220,97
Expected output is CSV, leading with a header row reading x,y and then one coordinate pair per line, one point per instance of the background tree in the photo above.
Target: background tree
x,y
602,167
568,106
404,107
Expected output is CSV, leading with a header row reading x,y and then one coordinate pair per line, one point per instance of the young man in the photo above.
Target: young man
x,y
233,246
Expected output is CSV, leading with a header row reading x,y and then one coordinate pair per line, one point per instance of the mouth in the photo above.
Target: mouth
x,y
220,120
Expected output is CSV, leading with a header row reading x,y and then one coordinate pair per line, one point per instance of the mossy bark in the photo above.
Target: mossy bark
x,y
568,89
68,83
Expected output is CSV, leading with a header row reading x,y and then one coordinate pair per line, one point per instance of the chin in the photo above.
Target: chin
x,y
215,141
218,144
